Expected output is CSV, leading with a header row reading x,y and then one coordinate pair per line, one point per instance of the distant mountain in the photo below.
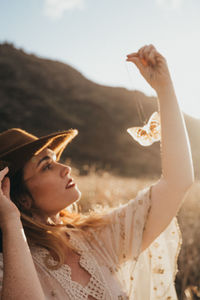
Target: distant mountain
x,y
42,96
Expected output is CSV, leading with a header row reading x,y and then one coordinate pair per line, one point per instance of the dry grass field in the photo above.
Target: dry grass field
x,y
100,188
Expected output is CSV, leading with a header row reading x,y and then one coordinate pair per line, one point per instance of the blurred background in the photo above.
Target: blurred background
x,y
62,65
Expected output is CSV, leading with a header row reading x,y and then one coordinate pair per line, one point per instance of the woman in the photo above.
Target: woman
x,y
128,253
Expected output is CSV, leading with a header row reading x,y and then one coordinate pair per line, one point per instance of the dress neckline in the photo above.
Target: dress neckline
x,y
96,286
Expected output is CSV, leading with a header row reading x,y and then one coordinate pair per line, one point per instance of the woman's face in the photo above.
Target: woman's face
x,y
47,182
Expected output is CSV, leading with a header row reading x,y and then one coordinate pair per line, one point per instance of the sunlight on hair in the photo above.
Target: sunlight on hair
x,y
170,4
56,8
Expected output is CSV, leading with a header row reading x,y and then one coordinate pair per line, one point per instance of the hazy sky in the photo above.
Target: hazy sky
x,y
95,36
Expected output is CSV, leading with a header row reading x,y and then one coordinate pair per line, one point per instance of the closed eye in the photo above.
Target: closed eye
x,y
47,166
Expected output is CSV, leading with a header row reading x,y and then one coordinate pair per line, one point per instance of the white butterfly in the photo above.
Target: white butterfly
x,y
149,133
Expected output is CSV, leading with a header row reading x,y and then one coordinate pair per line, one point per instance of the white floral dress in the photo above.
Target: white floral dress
x,y
114,260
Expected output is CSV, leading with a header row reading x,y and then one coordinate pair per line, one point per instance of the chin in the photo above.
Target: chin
x,y
78,196
75,197
78,192
70,206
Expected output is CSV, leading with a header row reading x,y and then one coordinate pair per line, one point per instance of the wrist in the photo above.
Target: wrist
x,y
11,223
165,90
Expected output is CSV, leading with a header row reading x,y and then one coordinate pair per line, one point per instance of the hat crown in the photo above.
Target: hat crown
x,y
13,138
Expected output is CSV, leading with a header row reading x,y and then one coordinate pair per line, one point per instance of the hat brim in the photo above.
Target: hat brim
x,y
57,142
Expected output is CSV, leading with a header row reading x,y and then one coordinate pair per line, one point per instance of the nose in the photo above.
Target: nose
x,y
65,170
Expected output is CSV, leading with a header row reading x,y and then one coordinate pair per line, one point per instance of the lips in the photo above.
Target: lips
x,y
70,183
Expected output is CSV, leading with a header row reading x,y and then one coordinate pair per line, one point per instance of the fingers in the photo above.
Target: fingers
x,y
136,61
151,57
6,187
147,55
4,182
3,173
160,59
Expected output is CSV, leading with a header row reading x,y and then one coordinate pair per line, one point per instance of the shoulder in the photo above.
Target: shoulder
x,y
139,205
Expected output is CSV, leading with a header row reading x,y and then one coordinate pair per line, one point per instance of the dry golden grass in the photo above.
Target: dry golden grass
x,y
188,278
102,188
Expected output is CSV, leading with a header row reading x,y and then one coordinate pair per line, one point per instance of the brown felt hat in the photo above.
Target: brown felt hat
x,y
17,146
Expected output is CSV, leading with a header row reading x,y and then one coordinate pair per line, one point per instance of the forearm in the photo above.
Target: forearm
x,y
177,166
20,280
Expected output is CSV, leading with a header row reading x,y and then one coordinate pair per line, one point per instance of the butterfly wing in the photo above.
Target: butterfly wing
x,y
154,126
140,135
149,133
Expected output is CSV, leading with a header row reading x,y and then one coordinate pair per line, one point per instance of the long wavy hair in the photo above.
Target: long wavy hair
x,y
50,235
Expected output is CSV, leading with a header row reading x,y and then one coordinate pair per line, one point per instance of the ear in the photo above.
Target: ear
x,y
26,202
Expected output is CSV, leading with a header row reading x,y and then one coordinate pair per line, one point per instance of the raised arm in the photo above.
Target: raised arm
x,y
20,280
177,167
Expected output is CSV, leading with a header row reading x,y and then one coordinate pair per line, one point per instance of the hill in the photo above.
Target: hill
x,y
42,96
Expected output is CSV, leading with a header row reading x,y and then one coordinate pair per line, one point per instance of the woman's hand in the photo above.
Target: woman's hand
x,y
153,67
20,278
8,209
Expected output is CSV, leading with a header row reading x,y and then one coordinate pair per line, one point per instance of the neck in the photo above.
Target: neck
x,y
48,219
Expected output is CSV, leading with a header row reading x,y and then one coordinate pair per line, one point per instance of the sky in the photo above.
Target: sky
x,y
95,36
